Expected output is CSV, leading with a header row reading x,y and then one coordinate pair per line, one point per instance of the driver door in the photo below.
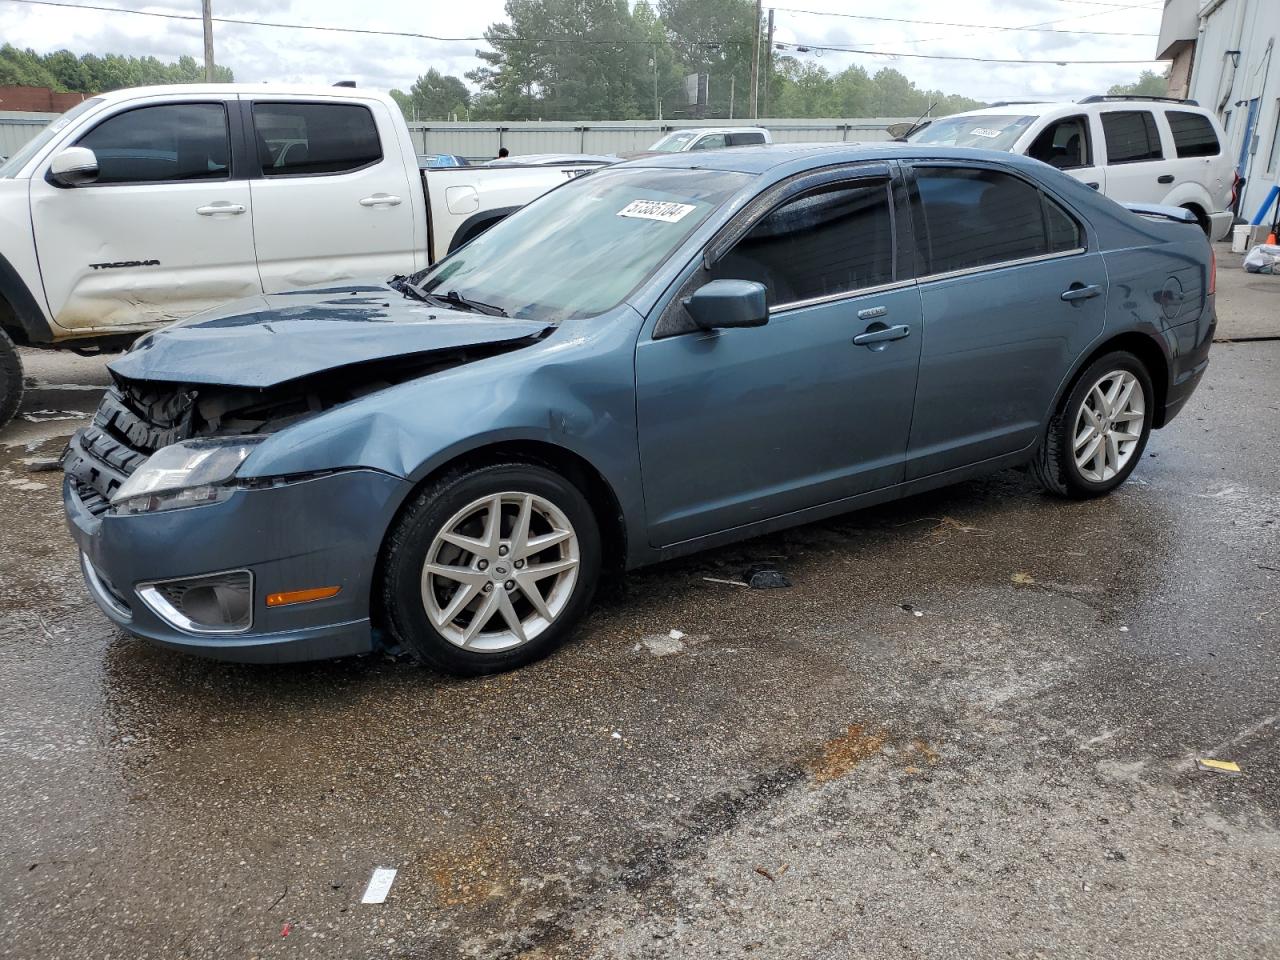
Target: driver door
x,y
741,425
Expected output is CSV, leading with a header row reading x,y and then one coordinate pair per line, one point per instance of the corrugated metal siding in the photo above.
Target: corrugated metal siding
x,y
480,141
17,128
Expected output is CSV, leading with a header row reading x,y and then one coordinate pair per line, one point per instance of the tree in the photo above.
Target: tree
x,y
65,72
716,37
1148,84
434,96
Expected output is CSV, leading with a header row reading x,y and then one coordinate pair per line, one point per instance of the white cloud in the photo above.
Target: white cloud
x,y
266,54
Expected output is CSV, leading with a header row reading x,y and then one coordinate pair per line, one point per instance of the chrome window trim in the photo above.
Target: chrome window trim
x,y
167,612
843,295
983,268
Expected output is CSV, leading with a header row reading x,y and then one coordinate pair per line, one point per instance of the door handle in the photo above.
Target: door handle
x,y
1165,178
879,333
1078,291
380,200
213,209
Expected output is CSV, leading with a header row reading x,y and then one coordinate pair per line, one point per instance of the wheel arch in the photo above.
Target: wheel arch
x,y
477,224
1147,349
1201,215
20,313
600,495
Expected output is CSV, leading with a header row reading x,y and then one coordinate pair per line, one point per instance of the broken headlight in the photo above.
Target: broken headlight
x,y
184,475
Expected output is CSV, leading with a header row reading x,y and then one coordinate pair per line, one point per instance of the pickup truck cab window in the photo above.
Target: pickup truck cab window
x,y
968,218
165,142
712,141
824,243
310,139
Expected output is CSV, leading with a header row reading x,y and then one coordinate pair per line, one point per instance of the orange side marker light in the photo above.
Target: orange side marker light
x,y
301,596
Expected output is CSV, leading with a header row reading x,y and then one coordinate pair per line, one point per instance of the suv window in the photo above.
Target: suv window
x,y
710,142
166,142
1064,144
968,218
314,138
1193,134
829,241
1132,136
745,139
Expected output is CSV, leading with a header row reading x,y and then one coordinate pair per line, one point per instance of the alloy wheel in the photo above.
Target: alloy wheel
x,y
1108,426
500,571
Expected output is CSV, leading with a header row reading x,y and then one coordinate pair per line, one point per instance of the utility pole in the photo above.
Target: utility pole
x,y
768,64
657,104
732,78
208,39
755,63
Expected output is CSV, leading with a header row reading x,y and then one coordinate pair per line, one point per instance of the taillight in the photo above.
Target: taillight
x,y
1213,271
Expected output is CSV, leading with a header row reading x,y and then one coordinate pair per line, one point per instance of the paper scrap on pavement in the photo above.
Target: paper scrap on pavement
x,y
1218,766
379,885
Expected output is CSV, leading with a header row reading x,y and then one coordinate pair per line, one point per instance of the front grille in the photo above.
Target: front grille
x,y
128,427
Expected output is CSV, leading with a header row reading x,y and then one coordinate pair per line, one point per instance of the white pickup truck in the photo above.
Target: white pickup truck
x,y
147,205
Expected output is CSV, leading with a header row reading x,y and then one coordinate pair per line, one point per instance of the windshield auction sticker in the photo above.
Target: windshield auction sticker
x,y
664,210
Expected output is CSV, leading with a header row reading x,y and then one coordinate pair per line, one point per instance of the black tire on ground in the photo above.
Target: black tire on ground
x,y
10,379
414,532
1055,464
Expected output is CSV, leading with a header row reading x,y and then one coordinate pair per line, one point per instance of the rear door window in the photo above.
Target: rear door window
x,y
827,242
311,139
1132,136
165,142
1193,134
968,217
745,139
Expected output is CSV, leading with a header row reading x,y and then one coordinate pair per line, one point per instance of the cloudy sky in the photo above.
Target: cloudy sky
x,y
1120,30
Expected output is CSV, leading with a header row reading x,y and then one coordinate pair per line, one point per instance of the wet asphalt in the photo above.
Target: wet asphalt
x,y
968,729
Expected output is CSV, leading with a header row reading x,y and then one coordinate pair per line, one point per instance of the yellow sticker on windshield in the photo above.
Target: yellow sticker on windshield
x,y
664,210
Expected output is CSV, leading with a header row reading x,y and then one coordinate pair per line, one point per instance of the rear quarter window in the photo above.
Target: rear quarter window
x,y
1193,134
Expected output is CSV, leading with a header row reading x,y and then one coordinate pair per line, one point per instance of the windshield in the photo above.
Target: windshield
x,y
993,131
674,142
581,249
32,147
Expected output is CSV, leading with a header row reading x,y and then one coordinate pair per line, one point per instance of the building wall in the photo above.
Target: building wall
x,y
38,99
1217,82
17,128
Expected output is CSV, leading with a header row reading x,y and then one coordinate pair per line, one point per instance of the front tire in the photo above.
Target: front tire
x,y
10,379
1098,434
491,569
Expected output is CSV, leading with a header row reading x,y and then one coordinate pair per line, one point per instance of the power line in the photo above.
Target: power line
x,y
944,23
582,40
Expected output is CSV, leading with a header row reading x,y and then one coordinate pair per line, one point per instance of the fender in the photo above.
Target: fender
x,y
31,325
467,231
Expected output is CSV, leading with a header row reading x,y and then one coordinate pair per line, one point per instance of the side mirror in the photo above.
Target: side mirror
x,y
728,303
74,166
900,130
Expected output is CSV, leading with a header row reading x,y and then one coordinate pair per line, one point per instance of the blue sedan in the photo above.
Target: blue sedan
x,y
670,354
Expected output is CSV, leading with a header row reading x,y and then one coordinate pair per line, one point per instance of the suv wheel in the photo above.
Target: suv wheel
x,y
10,379
491,569
1097,436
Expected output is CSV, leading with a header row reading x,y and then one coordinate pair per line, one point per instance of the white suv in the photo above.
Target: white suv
x,y
711,138
1133,149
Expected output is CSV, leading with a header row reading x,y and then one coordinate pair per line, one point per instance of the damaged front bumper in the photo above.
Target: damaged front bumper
x,y
321,532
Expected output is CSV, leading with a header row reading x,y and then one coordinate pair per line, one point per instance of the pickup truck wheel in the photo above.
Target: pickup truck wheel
x,y
1097,435
10,379
491,569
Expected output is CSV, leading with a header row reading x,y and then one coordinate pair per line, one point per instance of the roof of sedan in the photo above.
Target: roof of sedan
x,y
760,159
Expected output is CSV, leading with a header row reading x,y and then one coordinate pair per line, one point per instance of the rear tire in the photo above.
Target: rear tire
x,y
11,385
1098,433
462,591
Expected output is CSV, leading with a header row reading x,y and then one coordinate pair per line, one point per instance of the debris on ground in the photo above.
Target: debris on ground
x,y
379,885
663,645
44,465
764,872
909,608
1227,767
286,929
764,576
1023,579
727,583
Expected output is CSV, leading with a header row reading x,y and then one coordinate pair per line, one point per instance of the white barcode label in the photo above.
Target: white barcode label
x,y
664,210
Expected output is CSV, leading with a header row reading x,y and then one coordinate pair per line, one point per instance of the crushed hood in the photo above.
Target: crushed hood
x,y
269,340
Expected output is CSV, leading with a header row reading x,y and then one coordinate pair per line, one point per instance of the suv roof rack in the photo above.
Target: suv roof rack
x,y
1110,97
1014,103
